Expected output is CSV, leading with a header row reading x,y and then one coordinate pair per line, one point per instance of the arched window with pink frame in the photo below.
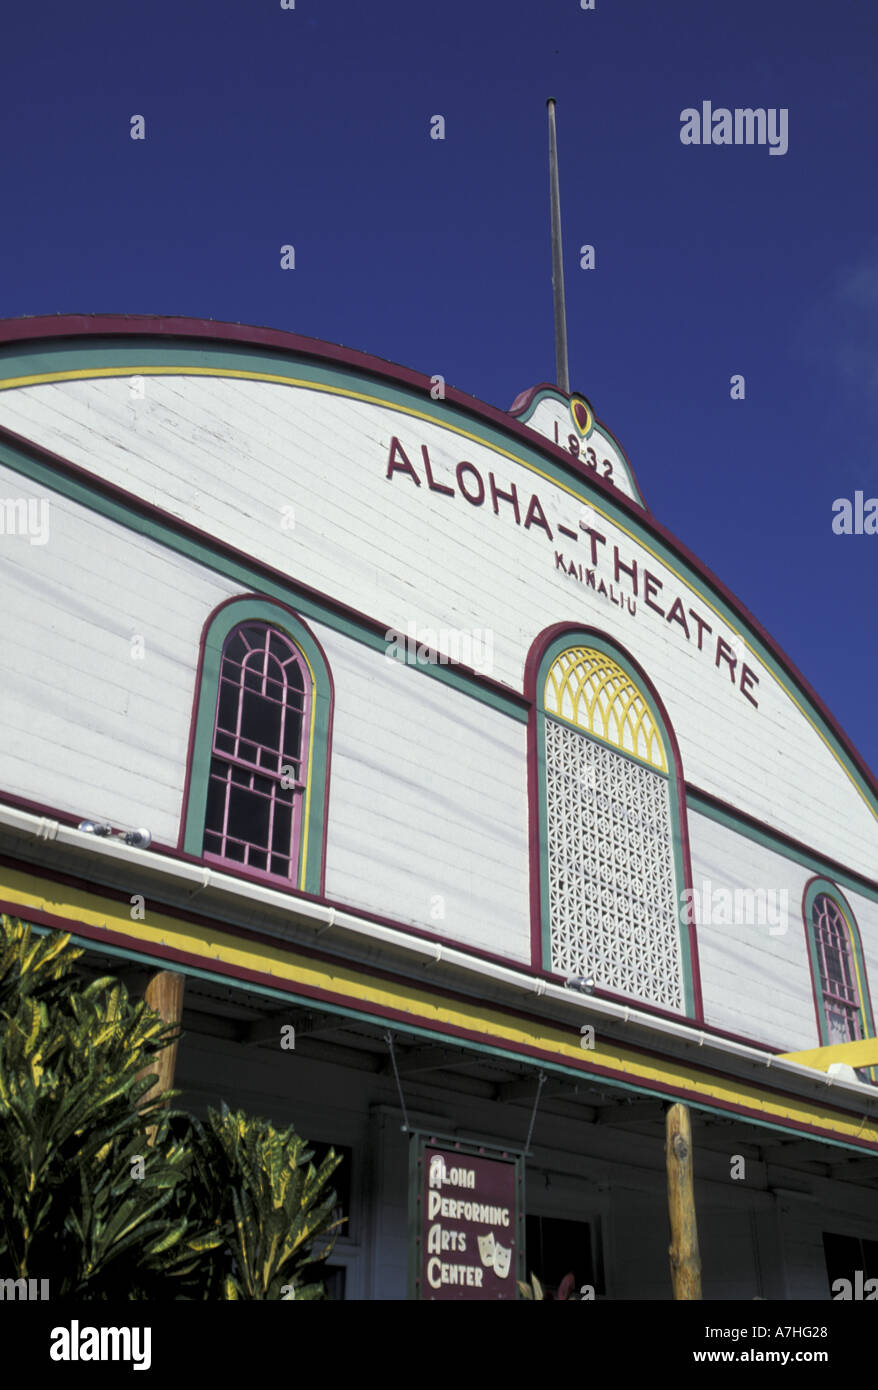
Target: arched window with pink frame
x,y
259,766
258,770
841,990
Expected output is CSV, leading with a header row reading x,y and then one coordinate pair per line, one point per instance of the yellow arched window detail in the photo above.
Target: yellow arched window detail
x,y
591,691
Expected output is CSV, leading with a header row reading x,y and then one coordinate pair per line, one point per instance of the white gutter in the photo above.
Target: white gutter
x,y
237,892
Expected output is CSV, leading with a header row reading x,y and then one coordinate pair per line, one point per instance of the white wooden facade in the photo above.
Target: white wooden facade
x,y
181,470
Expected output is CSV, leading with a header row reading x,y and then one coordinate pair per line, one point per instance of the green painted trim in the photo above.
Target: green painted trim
x,y
138,357
563,643
310,872
807,859
430,1035
248,577
831,890
543,837
550,394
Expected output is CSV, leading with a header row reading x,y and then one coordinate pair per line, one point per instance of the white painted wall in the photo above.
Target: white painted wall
x,y
87,728
428,790
428,803
755,975
229,455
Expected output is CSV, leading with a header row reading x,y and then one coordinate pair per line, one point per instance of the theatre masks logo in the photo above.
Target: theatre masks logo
x,y
743,126
494,1255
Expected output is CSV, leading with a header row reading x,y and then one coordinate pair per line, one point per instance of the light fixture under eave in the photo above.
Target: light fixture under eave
x,y
91,827
584,983
137,839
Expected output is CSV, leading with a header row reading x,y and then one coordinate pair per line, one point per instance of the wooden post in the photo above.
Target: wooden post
x,y
164,994
683,1250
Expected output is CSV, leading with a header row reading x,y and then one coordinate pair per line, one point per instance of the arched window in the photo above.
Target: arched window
x,y
259,767
614,862
841,992
257,786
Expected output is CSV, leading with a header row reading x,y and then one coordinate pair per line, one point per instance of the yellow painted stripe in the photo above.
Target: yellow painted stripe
x,y
496,1027
862,1052
86,373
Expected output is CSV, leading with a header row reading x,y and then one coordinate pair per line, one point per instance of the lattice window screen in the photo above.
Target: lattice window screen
x,y
612,886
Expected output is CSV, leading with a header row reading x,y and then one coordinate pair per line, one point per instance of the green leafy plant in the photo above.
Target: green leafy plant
x,y
269,1204
105,1192
73,1130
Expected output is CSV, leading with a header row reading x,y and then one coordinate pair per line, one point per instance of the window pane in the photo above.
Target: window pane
x,y
227,713
283,827
216,797
261,724
260,721
293,735
248,816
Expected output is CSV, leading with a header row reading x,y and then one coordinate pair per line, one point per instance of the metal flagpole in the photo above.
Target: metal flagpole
x,y
562,371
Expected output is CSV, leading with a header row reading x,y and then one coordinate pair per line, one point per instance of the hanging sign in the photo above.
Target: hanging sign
x,y
467,1219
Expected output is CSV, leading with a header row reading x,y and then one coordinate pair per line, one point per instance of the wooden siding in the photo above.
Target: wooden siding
x,y
427,805
428,792
755,979
88,728
230,455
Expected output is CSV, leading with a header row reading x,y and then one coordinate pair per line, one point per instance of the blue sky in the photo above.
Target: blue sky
x,y
310,126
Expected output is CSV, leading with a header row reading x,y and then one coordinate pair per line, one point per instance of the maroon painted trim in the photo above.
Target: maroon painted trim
x,y
531,667
194,533
535,793
245,934
404,928
102,936
165,851
190,749
114,325
523,401
833,865
251,936
157,325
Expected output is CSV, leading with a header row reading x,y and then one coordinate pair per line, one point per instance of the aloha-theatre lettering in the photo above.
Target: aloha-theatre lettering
x,y
631,580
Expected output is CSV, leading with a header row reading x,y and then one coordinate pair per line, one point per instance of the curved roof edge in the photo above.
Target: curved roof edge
x,y
525,401
58,326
